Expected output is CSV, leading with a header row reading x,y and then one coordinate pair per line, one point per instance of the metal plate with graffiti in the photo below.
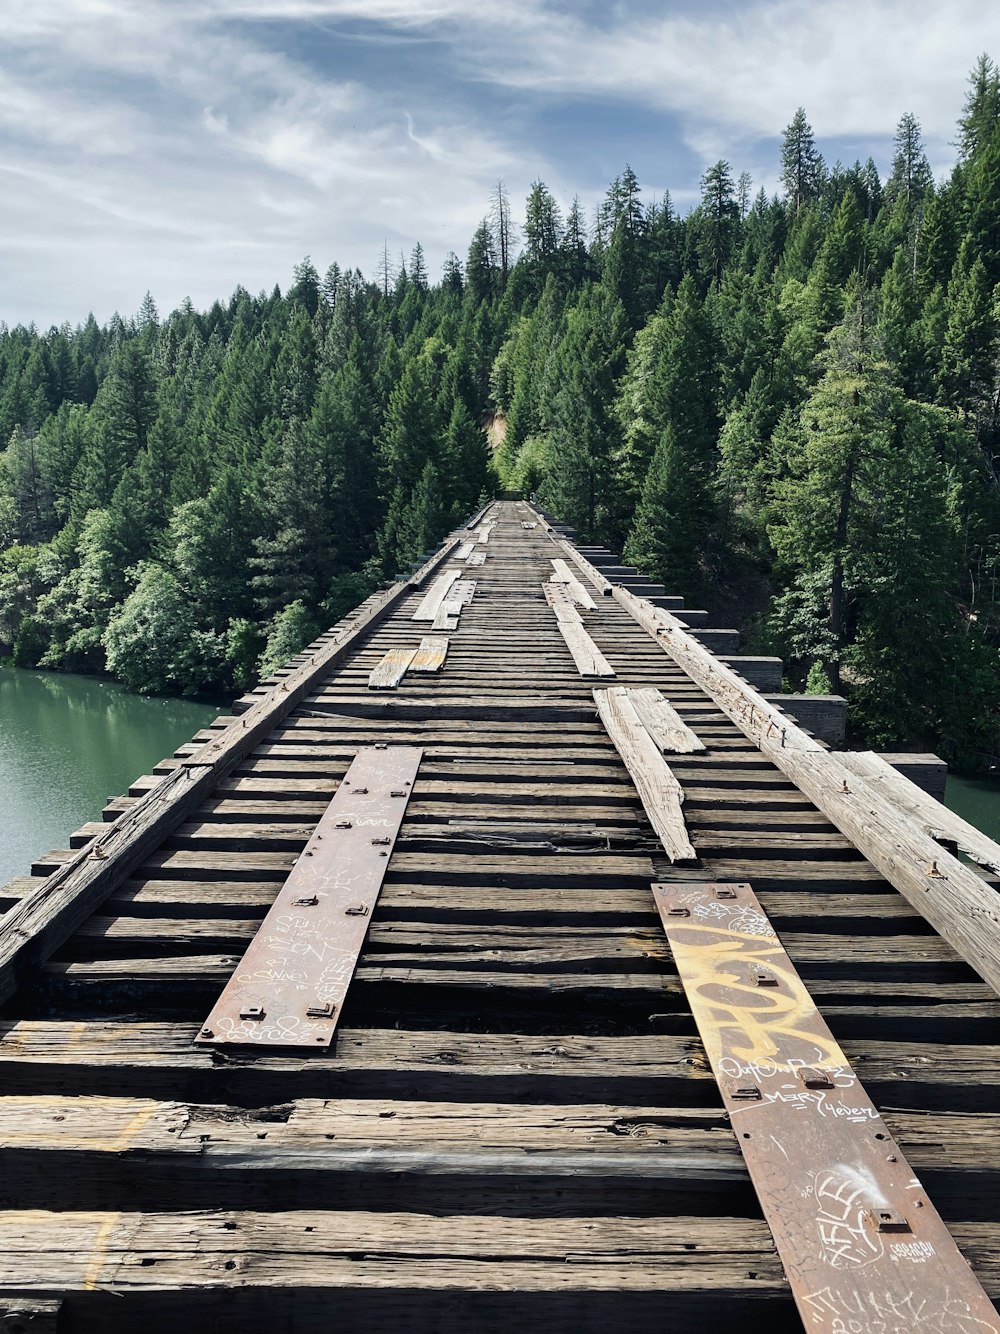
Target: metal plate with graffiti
x,y
863,1247
290,985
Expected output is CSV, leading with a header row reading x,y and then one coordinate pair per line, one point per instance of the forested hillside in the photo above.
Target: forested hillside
x,y
789,402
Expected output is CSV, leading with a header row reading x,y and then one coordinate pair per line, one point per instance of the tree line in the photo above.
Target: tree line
x,y
787,406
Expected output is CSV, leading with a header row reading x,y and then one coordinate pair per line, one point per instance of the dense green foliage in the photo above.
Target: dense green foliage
x,y
789,405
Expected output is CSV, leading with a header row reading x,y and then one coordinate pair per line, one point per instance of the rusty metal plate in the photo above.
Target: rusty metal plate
x,y
863,1247
290,985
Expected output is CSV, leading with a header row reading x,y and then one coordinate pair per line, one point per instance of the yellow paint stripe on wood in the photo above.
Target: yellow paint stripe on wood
x,y
431,654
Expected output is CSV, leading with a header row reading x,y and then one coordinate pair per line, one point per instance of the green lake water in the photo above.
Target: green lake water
x,y
976,800
67,743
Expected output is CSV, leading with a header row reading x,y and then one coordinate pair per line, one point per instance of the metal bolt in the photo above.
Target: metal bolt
x,y
886,1220
357,910
360,791
744,1092
763,978
309,901
207,1033
252,1012
679,912
397,792
813,1079
380,842
322,1010
724,892
343,824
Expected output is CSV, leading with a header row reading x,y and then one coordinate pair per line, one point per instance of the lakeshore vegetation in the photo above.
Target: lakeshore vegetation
x,y
785,407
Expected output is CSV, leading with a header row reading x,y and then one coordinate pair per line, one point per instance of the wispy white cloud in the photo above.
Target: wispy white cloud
x,y
187,145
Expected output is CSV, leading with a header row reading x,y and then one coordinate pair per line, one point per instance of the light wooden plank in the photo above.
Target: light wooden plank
x,y
431,654
435,596
448,615
663,723
564,575
390,669
465,551
590,661
659,791
935,819
560,600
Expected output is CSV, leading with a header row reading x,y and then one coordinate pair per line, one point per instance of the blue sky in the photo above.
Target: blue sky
x,y
186,146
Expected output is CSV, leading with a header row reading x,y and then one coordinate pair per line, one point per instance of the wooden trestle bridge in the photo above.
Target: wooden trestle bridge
x,y
583,987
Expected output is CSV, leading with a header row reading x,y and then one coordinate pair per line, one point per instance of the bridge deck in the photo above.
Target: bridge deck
x,y
517,1120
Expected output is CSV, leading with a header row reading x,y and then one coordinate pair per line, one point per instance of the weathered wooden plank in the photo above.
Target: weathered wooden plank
x,y
937,820
477,558
463,591
590,661
561,601
663,723
431,655
433,599
848,1215
39,924
447,615
928,772
544,1159
562,574
157,1059
440,1137
391,668
465,551
658,789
